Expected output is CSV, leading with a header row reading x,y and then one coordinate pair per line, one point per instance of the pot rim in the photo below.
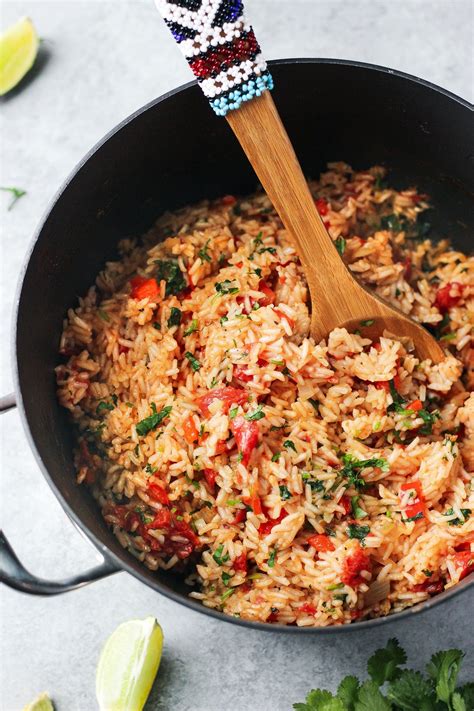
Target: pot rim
x,y
72,515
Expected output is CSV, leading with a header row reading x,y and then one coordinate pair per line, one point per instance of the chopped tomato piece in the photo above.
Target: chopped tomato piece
x,y
282,316
464,546
240,563
162,519
269,294
416,508
449,295
309,609
408,267
322,543
254,502
240,516
228,396
465,561
191,433
240,374
432,587
272,617
415,485
221,447
143,288
346,504
265,528
397,382
229,200
416,405
210,477
158,493
123,349
322,206
383,385
246,436
353,565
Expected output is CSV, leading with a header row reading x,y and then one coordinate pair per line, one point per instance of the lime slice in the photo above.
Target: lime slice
x,y
18,49
42,703
128,665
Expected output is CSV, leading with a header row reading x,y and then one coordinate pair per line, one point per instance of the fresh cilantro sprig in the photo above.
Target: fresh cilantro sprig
x,y
352,469
393,688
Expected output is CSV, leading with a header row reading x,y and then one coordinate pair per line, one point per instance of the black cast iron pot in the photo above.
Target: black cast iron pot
x,y
171,153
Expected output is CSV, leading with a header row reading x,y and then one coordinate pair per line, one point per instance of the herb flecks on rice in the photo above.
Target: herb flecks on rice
x,y
287,479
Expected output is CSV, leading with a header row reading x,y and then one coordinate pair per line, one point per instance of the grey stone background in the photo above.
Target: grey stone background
x,y
100,61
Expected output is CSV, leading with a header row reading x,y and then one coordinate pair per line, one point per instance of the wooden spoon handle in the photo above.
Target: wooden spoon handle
x,y
263,137
220,47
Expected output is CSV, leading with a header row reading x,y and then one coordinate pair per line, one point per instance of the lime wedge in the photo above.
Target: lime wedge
x,y
18,49
42,703
128,665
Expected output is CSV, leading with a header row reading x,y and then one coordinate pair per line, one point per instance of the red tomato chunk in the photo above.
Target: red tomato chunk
x,y
353,565
246,436
144,288
227,395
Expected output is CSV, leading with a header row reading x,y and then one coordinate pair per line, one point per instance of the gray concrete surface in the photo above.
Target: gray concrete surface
x,y
100,61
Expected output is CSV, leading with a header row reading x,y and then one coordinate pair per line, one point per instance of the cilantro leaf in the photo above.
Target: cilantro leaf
x,y
443,668
288,444
203,253
370,698
467,693
429,418
409,690
226,287
398,401
193,362
16,193
257,415
458,703
340,245
168,270
352,467
284,493
383,664
356,531
193,326
175,317
347,692
218,557
152,422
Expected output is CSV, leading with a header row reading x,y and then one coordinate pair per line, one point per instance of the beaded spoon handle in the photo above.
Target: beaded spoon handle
x,y
222,51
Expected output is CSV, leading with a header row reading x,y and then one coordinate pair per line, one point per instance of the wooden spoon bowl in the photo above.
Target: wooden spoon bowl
x,y
337,298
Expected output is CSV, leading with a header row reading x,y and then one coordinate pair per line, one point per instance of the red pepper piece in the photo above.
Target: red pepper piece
x,y
353,565
322,206
449,295
144,288
210,477
240,563
267,526
228,395
307,608
322,543
246,436
465,561
158,493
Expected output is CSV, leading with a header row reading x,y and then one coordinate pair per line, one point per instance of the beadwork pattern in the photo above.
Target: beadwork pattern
x,y
221,49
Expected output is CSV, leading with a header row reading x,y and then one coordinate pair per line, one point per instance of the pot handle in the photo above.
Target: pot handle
x,y
15,575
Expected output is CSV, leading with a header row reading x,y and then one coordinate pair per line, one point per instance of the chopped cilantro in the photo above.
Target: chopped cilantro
x,y
356,531
278,362
226,287
168,270
175,317
284,493
226,577
193,362
457,521
429,418
218,557
233,412
16,194
314,404
103,315
193,326
258,238
149,469
340,245
427,572
156,325
288,444
256,415
272,250
104,406
271,559
204,254
357,512
352,468
276,456
227,594
398,401
152,422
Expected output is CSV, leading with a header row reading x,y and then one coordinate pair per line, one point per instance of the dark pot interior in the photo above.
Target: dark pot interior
x,y
174,152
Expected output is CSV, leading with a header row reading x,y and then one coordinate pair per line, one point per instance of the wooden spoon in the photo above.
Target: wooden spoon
x,y
222,51
337,298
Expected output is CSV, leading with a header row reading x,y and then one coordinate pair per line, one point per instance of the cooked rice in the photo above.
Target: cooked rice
x,y
239,531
